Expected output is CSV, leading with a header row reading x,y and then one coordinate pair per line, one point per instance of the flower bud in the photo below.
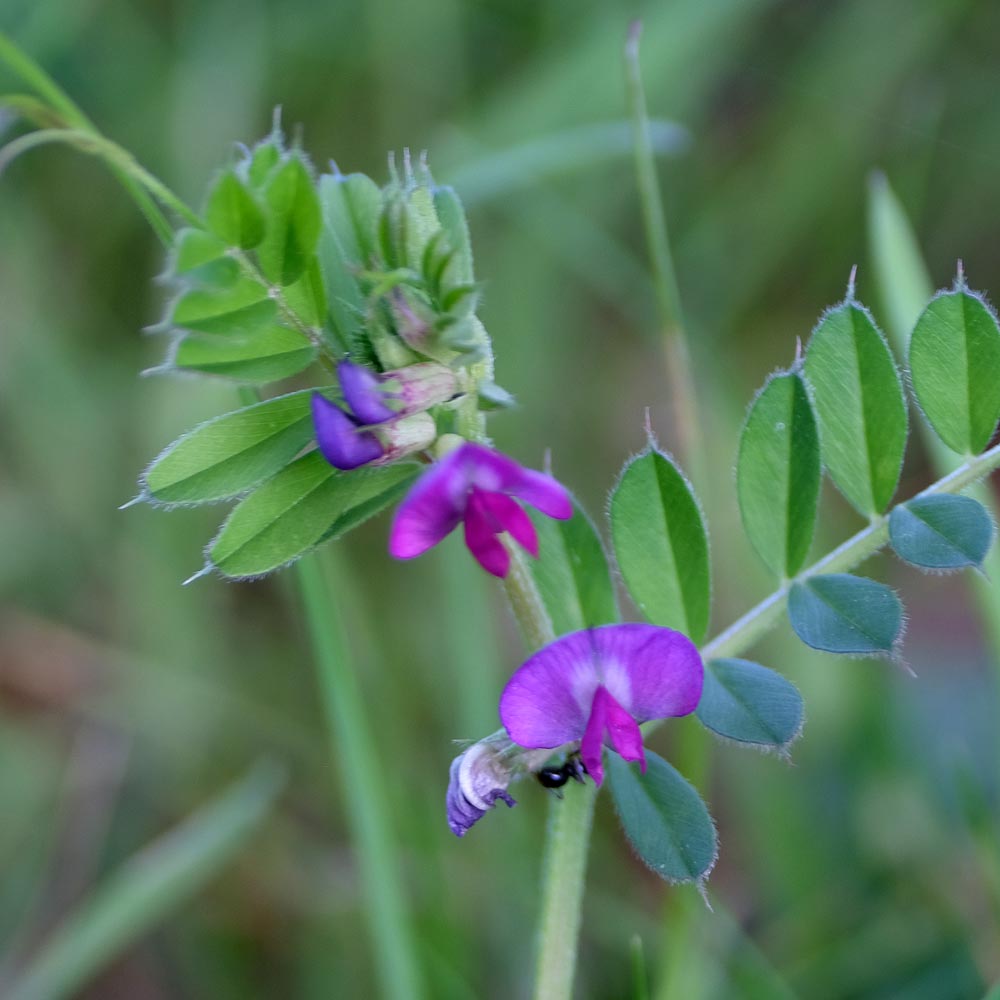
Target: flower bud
x,y
404,436
476,780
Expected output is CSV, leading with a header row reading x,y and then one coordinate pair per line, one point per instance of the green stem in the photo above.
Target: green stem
x,y
356,758
680,382
758,620
564,864
36,78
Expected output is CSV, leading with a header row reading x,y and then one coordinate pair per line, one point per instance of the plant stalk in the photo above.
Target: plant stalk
x,y
356,757
567,838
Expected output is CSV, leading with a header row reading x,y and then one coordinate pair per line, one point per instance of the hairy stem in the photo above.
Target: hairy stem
x,y
567,839
758,620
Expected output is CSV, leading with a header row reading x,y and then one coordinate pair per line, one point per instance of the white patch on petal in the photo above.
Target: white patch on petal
x,y
617,681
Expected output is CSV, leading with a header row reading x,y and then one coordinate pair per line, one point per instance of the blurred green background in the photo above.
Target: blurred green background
x,y
869,869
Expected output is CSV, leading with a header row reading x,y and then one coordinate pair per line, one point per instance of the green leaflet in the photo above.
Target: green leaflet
x,y
955,369
664,818
661,544
859,404
451,214
746,702
572,574
841,613
232,212
778,473
240,307
193,248
266,355
293,222
340,256
304,504
233,453
941,532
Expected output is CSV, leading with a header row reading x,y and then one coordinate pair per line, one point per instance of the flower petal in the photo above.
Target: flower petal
x,y
363,393
431,510
548,699
473,788
652,672
341,443
592,744
543,492
510,517
623,732
496,473
481,535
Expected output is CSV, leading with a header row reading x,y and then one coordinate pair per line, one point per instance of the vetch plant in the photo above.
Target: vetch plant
x,y
347,311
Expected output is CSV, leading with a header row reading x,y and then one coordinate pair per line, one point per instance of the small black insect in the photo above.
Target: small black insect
x,y
556,777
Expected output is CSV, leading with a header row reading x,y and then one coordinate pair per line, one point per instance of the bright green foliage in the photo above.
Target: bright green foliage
x,y
859,404
194,248
841,613
746,702
306,503
664,818
451,214
242,306
661,544
349,208
941,532
293,222
228,455
266,355
955,369
232,212
778,473
572,573
264,157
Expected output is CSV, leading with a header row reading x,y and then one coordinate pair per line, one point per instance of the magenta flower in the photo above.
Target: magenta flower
x,y
597,685
478,486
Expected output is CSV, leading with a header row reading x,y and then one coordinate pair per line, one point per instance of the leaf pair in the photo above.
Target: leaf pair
x,y
294,503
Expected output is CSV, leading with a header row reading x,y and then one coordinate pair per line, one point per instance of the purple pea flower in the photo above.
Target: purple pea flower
x,y
385,419
346,444
597,685
477,780
476,485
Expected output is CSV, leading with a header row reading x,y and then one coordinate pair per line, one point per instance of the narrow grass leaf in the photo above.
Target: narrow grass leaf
x,y
147,889
572,573
232,212
955,369
664,818
304,504
661,544
748,703
778,473
860,406
941,532
228,455
293,222
841,613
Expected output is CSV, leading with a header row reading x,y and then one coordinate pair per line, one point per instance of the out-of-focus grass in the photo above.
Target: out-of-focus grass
x,y
857,873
